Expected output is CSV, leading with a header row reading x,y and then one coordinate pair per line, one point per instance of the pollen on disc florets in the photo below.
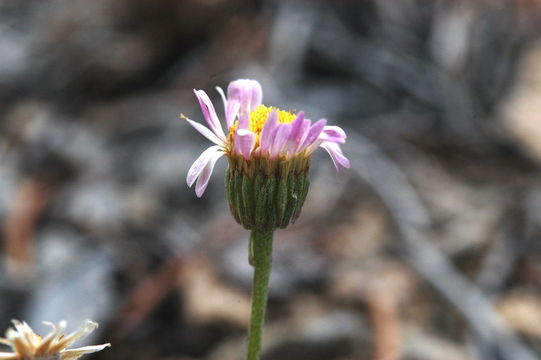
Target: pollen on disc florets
x,y
258,118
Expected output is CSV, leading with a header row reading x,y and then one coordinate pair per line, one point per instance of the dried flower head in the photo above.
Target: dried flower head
x,y
269,153
27,345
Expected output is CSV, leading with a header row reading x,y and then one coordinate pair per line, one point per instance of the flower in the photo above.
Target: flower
x,y
256,132
27,345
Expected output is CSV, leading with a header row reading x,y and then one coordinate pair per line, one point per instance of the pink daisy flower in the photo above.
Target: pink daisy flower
x,y
256,131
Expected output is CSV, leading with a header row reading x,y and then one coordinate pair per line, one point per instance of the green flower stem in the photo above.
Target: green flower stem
x,y
261,253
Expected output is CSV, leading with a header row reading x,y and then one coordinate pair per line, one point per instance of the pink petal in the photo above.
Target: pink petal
x,y
303,133
231,111
268,132
298,132
248,94
247,91
257,94
313,133
204,177
231,108
336,154
209,113
205,131
296,126
244,143
333,134
199,164
280,139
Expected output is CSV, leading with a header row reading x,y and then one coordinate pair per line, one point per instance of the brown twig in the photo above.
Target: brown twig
x,y
383,312
147,296
30,200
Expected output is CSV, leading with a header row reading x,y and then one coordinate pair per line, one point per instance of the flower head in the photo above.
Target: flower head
x,y
268,152
256,132
27,345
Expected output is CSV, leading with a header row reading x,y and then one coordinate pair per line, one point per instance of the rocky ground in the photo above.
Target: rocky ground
x,y
427,248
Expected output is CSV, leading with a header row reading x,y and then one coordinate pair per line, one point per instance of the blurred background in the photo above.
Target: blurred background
x,y
427,248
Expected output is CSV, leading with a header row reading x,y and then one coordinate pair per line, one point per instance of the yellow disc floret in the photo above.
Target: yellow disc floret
x,y
259,117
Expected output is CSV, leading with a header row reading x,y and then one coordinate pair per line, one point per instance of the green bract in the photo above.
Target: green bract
x,y
266,194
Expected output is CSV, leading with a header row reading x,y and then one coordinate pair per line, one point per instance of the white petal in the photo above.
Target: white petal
x,y
86,328
199,164
10,356
204,177
53,335
206,132
222,94
78,352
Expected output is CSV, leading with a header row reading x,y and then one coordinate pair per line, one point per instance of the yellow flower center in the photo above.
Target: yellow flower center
x,y
259,117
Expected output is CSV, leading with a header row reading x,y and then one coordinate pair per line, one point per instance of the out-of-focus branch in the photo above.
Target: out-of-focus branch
x,y
31,199
148,295
382,308
412,221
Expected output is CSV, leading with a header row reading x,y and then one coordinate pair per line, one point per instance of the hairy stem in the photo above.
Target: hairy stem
x,y
261,251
